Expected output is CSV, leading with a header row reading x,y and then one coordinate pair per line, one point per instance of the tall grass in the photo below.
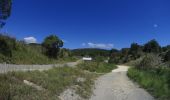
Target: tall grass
x,y
17,52
93,66
54,82
156,81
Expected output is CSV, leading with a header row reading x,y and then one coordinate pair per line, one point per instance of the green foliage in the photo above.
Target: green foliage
x,y
167,56
92,52
4,88
28,54
97,67
135,62
115,59
99,59
17,52
166,48
64,53
52,45
152,47
135,50
54,81
114,56
155,81
7,44
114,51
5,11
150,61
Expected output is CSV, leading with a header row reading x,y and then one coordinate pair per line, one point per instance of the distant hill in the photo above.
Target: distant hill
x,y
92,52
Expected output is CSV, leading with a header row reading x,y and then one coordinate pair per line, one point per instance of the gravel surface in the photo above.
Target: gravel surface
x,y
70,94
117,86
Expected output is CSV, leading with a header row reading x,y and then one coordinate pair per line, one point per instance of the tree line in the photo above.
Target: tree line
x,y
136,51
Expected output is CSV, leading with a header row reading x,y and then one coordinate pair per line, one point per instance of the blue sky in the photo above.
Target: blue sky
x,y
91,23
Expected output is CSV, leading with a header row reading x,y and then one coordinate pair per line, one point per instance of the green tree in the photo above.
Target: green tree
x,y
125,51
113,52
152,47
52,45
64,53
167,56
5,11
135,50
114,56
164,49
7,44
125,55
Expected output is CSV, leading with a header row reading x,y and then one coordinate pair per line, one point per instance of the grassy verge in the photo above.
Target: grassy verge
x,y
97,67
13,51
54,81
156,81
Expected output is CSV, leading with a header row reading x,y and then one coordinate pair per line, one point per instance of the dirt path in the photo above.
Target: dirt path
x,y
117,86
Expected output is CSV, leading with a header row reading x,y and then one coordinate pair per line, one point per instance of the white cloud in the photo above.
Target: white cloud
x,y
30,40
100,45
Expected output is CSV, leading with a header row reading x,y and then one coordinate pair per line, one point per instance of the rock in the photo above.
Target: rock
x,y
80,79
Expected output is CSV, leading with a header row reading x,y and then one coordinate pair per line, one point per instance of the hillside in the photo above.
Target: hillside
x,y
18,52
93,52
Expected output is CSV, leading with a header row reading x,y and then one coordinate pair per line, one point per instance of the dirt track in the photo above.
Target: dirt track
x,y
117,86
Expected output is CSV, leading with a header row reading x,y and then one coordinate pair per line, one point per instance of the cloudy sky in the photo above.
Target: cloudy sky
x,y
91,23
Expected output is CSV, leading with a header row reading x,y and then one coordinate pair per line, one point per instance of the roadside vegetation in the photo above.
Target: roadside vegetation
x,y
97,65
92,52
19,52
152,74
53,82
155,81
150,66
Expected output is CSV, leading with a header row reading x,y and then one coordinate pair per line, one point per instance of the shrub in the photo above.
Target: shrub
x,y
7,44
97,67
135,50
150,61
152,47
167,56
135,62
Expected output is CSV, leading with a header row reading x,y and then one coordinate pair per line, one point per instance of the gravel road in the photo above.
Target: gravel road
x,y
117,86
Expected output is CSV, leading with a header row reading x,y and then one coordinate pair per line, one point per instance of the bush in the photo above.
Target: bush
x,y
167,56
97,67
150,61
152,47
135,62
7,44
